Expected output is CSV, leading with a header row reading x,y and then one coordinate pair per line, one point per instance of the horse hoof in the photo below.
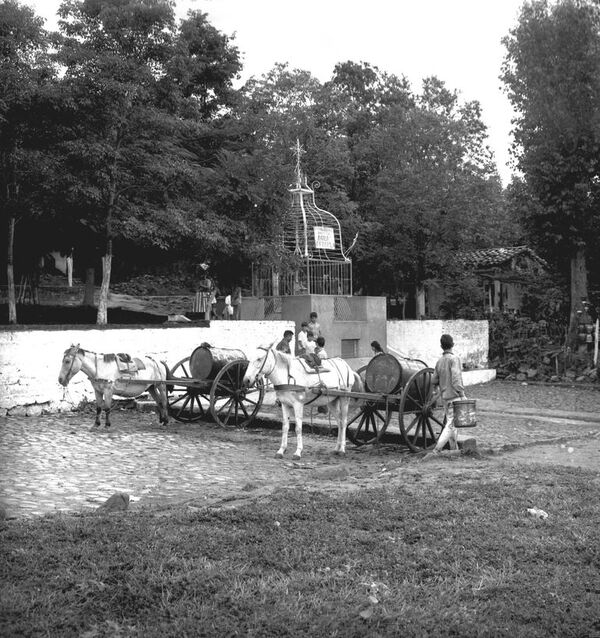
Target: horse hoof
x,y
279,455
297,456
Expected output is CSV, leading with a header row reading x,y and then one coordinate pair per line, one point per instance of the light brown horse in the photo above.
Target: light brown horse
x,y
110,376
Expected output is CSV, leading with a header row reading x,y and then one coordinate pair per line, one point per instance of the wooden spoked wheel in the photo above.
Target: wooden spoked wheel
x,y
369,423
421,420
232,403
185,401
367,420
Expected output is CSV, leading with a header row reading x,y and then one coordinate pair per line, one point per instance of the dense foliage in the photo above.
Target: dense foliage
x,y
138,146
552,75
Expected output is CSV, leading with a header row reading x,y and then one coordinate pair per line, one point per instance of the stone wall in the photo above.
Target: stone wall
x,y
30,359
421,340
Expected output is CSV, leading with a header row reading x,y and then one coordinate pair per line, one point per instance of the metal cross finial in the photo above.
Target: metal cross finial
x,y
298,152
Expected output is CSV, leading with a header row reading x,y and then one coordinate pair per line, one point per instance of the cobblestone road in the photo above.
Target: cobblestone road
x,y
58,463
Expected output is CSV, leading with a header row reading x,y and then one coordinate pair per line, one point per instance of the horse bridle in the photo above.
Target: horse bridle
x,y
260,371
73,351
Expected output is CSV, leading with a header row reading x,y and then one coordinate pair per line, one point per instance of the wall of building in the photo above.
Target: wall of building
x,y
30,359
356,321
421,340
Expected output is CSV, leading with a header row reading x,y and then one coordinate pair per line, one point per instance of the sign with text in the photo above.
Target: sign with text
x,y
324,238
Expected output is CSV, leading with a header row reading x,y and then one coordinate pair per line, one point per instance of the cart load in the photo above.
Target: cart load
x,y
386,374
206,362
209,383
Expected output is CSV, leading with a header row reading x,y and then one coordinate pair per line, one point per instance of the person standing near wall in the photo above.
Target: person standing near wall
x,y
447,377
201,302
376,348
236,302
228,309
313,325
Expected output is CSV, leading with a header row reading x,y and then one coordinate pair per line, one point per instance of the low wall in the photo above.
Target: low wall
x,y
421,340
30,359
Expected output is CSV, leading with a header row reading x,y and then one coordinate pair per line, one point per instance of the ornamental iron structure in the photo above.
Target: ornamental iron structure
x,y
314,261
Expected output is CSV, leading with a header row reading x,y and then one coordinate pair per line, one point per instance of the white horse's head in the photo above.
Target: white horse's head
x,y
260,365
71,365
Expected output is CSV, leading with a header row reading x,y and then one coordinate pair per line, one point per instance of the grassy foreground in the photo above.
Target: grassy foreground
x,y
456,557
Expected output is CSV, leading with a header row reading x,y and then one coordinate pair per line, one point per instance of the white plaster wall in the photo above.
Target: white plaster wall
x,y
30,359
421,340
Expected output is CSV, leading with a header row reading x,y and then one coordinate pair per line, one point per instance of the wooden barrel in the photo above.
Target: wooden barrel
x,y
206,362
387,375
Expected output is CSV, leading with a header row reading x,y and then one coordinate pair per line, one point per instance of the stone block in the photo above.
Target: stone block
x,y
467,443
18,410
35,409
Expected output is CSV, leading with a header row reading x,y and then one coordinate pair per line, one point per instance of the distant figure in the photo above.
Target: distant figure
x,y
313,325
448,377
284,344
302,338
205,285
320,349
228,309
212,300
376,348
236,302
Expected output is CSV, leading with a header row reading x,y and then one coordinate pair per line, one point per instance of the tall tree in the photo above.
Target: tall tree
x,y
552,77
141,91
24,69
434,190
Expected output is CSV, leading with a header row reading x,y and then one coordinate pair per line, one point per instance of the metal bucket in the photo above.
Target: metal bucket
x,y
465,415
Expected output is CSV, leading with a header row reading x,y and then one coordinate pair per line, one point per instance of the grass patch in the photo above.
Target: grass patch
x,y
381,562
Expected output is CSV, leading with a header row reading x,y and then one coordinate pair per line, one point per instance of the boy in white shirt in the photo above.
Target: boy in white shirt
x,y
302,338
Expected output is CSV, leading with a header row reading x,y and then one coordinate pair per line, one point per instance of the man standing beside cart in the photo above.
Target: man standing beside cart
x,y
447,377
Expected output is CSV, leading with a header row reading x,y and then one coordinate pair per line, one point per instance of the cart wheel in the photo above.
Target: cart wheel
x,y
421,421
367,420
184,403
369,423
232,403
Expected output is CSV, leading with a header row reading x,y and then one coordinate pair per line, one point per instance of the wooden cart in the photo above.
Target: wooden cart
x,y
210,383
397,391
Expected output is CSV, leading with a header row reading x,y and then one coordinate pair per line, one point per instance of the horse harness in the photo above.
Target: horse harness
x,y
294,387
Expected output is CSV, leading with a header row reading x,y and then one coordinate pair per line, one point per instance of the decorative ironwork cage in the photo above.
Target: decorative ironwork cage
x,y
312,238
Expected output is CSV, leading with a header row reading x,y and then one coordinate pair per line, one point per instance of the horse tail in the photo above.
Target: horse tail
x,y
169,387
358,385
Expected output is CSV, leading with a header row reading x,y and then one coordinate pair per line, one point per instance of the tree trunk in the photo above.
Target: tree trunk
x,y
70,270
102,318
10,272
578,294
90,280
420,300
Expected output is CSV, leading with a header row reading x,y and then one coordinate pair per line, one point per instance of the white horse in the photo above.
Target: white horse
x,y
120,375
296,387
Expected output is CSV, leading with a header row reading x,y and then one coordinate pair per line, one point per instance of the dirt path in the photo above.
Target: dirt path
x,y
582,453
